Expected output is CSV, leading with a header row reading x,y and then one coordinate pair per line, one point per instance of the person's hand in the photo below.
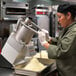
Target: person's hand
x,y
42,37
48,38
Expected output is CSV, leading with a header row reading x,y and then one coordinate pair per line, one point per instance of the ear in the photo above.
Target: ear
x,y
68,15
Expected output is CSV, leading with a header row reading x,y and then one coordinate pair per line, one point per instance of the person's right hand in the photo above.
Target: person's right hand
x,y
48,38
42,37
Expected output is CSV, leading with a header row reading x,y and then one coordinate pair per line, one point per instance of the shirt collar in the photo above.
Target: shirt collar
x,y
70,25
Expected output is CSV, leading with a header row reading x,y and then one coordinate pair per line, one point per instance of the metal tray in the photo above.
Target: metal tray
x,y
48,62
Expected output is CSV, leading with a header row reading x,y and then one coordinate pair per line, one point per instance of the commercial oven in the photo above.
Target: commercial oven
x,y
13,10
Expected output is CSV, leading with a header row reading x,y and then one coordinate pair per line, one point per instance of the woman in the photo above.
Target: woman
x,y
63,49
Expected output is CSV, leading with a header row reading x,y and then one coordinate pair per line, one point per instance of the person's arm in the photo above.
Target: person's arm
x,y
53,40
42,39
45,39
63,47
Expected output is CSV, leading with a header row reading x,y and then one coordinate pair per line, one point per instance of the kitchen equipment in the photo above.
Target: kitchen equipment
x,y
25,33
49,63
13,10
16,48
18,41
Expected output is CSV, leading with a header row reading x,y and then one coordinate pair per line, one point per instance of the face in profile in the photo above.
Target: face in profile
x,y
63,19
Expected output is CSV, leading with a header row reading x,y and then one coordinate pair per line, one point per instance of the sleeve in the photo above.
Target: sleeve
x,y
63,47
54,41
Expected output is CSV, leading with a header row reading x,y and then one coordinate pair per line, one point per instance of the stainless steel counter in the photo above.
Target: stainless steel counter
x,y
5,69
7,72
11,72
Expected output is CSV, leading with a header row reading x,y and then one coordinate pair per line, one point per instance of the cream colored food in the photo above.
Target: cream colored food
x,y
42,54
34,65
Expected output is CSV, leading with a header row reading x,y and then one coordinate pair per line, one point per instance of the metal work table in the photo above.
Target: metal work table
x,y
11,72
5,68
7,72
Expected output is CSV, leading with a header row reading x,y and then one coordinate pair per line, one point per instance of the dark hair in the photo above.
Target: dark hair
x,y
65,8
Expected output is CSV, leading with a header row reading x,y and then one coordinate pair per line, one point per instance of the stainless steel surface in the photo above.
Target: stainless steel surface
x,y
11,72
67,1
12,48
26,30
29,28
13,10
28,21
0,9
49,63
36,25
7,72
17,42
24,34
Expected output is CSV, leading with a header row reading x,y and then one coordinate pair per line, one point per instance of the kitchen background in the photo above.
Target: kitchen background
x,y
12,10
